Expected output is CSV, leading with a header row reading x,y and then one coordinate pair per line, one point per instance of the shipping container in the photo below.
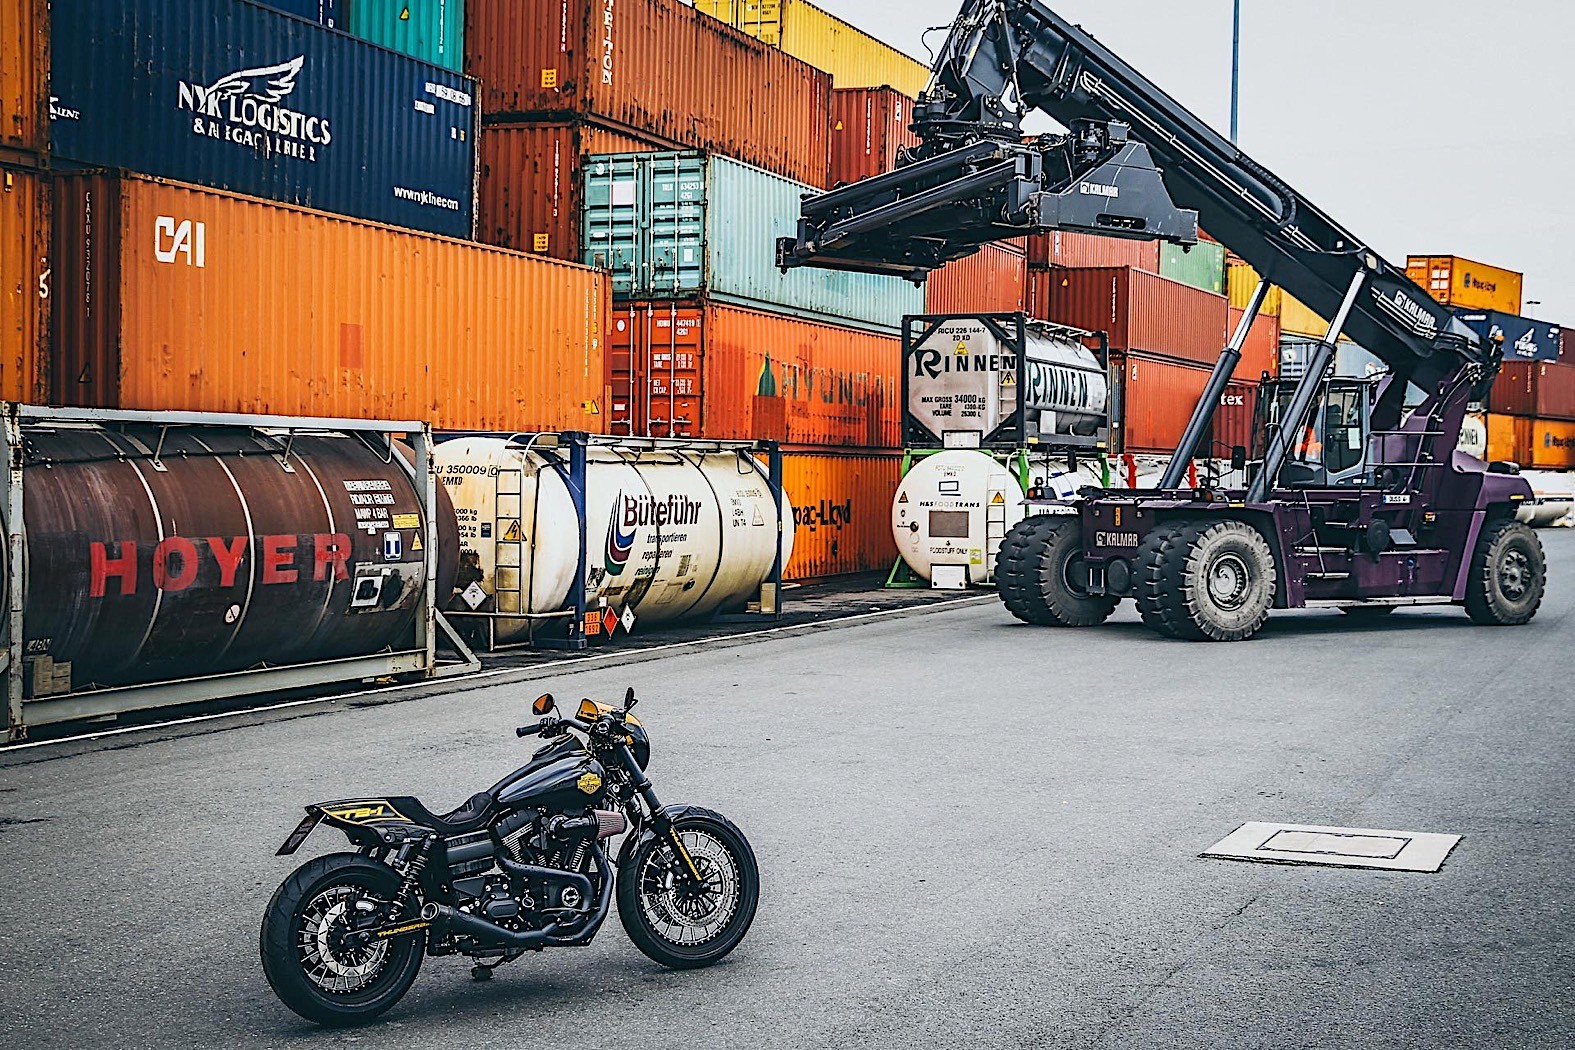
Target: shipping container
x,y
868,127
992,280
1534,388
710,370
853,57
179,297
532,183
1201,265
654,68
235,95
1523,338
1552,444
1240,282
677,225
1089,250
430,30
323,12
1299,319
1509,439
1157,399
24,284
1469,285
1261,352
1137,310
1567,345
841,511
24,75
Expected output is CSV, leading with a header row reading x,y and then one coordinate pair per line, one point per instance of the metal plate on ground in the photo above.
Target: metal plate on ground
x,y
1335,847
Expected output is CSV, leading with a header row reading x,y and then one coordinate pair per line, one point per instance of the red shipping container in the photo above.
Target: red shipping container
x,y
708,370
1544,389
993,280
1157,399
1567,345
651,67
1138,310
1261,352
1064,248
868,127
531,189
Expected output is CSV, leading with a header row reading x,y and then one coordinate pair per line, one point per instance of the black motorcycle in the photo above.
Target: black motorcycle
x,y
519,867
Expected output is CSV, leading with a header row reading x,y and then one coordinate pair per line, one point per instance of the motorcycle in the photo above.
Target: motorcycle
x,y
516,868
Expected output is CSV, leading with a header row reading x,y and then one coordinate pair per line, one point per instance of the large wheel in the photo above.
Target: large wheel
x,y
670,918
1208,581
1508,575
1158,572
1037,575
304,956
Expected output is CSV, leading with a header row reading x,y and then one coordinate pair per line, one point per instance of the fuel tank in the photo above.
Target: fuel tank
x,y
562,780
159,553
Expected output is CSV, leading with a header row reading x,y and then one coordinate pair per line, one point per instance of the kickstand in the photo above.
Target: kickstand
x,y
482,971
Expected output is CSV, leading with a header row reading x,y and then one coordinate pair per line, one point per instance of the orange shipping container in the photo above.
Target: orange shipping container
x,y
1157,398
175,297
1552,444
24,75
704,369
1064,248
1463,283
531,189
24,285
1138,310
841,511
1261,352
992,280
651,67
1509,439
868,127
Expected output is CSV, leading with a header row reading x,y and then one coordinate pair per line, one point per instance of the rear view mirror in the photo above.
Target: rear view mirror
x,y
628,699
1238,457
544,704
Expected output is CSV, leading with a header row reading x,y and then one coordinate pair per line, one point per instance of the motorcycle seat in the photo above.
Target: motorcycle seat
x,y
471,815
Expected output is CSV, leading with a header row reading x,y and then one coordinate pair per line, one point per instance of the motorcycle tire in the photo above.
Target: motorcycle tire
x,y
682,928
335,987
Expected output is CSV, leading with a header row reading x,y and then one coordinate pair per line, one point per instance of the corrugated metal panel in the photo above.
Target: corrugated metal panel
x,y
1567,345
431,30
1085,250
1555,383
24,285
179,297
235,95
841,511
652,67
1552,444
24,74
1158,397
1139,311
532,181
677,225
1297,319
1508,439
853,57
323,12
709,369
1233,421
1455,281
868,127
1261,352
1240,282
992,280
1202,265
1534,388
1523,338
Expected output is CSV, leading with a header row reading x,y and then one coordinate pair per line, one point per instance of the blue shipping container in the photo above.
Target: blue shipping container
x,y
323,12
431,30
679,225
235,95
1525,339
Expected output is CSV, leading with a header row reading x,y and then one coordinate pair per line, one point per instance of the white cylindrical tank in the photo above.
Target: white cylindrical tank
x,y
951,510
1473,436
672,533
1065,388
1553,498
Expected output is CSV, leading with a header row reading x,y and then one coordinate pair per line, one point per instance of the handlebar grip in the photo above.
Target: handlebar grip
x,y
529,730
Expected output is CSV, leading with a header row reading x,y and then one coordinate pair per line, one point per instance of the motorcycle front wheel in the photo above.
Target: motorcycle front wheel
x,y
672,919
304,956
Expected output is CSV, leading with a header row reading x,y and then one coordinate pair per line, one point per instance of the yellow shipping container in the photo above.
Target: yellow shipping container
x,y
851,56
1552,444
1298,319
1454,281
1240,282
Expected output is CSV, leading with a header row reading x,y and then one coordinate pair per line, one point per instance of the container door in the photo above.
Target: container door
x,y
676,224
611,234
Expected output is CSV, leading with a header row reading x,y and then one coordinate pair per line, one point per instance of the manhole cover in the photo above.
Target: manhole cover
x,y
1336,847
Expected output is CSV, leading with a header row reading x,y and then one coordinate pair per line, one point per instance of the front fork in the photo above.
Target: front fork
x,y
662,824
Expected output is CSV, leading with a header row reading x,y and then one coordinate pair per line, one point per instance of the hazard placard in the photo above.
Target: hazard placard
x,y
513,534
997,500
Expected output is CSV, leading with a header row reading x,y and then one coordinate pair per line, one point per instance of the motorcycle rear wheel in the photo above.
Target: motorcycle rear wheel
x,y
678,926
319,979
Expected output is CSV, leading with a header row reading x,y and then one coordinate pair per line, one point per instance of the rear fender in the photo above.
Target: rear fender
x,y
365,822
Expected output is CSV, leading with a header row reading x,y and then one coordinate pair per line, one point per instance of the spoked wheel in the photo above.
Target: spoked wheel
x,y
310,954
1508,575
677,919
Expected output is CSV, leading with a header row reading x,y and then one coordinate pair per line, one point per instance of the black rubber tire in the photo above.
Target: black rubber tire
x,y
1157,571
280,959
1031,578
1508,575
637,925
1367,612
1177,589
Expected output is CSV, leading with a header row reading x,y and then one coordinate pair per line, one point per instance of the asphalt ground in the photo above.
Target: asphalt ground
x,y
972,833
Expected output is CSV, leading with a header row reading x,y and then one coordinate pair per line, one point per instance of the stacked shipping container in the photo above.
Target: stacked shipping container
x,y
1531,415
869,126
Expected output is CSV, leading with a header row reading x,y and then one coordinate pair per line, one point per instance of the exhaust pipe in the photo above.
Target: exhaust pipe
x,y
446,921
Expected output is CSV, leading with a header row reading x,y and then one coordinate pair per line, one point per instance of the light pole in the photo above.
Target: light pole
x,y
1235,68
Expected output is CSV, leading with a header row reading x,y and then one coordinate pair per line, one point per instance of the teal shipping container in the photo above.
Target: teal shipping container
x,y
680,225
1202,267
431,30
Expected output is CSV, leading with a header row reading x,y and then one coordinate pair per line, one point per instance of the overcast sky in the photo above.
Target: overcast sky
x,y
1424,126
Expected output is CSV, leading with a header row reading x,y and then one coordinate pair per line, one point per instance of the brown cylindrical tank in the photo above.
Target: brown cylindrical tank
x,y
218,549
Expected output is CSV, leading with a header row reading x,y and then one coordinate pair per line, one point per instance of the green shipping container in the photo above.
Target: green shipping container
x,y
680,225
1202,267
431,30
